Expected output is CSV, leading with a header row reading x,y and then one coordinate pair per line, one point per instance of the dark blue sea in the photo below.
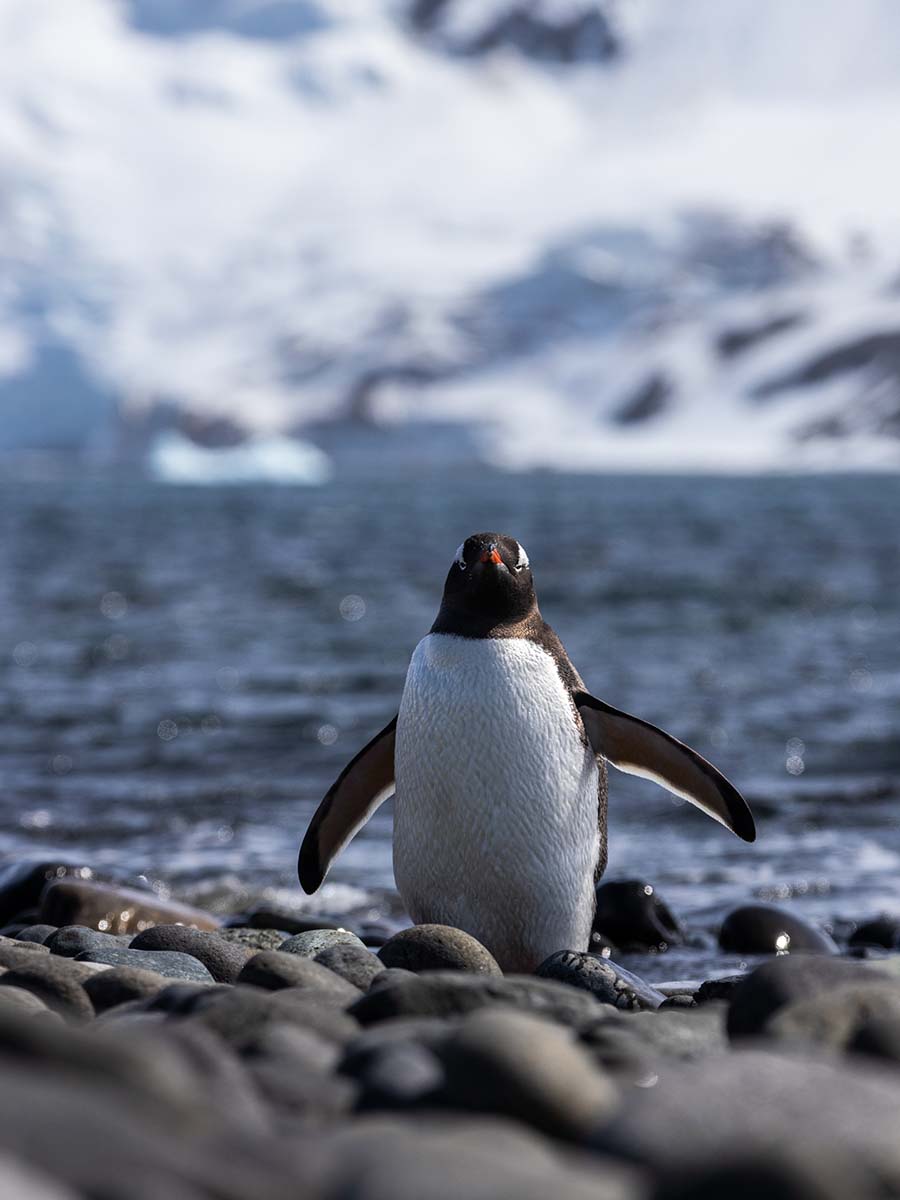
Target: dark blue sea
x,y
185,670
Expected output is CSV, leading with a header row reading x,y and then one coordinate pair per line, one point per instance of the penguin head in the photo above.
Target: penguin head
x,y
490,579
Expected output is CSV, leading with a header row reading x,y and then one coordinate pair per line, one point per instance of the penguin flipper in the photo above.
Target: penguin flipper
x,y
639,748
364,784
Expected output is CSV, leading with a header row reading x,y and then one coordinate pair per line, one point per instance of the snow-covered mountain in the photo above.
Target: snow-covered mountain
x,y
597,235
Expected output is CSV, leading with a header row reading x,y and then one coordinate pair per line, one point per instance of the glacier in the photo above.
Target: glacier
x,y
669,245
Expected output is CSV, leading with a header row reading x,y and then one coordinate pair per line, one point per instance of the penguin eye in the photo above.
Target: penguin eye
x,y
459,557
523,559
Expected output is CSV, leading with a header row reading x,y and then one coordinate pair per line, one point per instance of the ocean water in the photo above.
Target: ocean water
x,y
183,671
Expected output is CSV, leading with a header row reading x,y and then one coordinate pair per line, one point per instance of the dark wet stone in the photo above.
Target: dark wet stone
x,y
164,962
72,940
240,1014
717,989
313,941
22,883
56,981
450,993
113,909
357,966
760,1104
257,939
633,917
833,1018
768,929
882,931
35,933
517,1065
398,1076
265,917
786,1175
784,980
679,1000
108,989
437,948
273,970
603,978
224,960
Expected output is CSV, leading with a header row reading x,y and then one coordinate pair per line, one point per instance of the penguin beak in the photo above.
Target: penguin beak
x,y
491,555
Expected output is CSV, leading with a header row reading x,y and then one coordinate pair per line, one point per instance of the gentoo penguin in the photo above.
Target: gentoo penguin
x,y
498,760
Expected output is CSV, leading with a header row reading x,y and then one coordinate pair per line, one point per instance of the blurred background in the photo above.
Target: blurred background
x,y
296,294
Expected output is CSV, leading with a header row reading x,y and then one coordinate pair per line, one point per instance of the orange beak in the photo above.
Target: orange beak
x,y
490,556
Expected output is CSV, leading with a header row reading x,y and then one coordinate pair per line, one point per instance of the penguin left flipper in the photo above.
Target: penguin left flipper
x,y
639,748
364,784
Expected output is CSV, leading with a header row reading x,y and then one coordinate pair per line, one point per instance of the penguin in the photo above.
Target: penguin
x,y
498,760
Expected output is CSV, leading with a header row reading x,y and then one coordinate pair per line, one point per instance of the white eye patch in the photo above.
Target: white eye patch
x,y
523,559
459,558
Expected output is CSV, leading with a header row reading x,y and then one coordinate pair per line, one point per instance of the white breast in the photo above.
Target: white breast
x,y
495,815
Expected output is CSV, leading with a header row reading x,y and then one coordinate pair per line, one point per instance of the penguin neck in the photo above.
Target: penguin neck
x,y
454,618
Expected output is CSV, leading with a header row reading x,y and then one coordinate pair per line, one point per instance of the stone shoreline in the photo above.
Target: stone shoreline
x,y
150,1051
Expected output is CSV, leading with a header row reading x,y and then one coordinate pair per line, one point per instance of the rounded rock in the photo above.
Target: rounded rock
x,y
223,959
313,941
72,940
834,1018
274,971
256,939
36,933
359,967
264,917
164,962
610,983
112,909
55,981
881,931
632,916
768,929
22,883
517,1065
785,980
437,948
240,1014
399,1076
18,1000
452,993
120,985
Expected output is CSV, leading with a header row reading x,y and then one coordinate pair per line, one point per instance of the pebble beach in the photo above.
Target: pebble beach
x,y
149,1049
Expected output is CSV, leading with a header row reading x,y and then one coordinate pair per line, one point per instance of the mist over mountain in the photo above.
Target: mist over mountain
x,y
590,236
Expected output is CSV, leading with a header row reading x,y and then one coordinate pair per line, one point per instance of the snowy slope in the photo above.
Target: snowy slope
x,y
681,254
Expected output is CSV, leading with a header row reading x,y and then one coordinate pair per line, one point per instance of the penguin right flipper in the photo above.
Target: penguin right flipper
x,y
639,748
364,784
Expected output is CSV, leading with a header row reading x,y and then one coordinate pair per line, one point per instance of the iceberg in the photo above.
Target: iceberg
x,y
173,458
